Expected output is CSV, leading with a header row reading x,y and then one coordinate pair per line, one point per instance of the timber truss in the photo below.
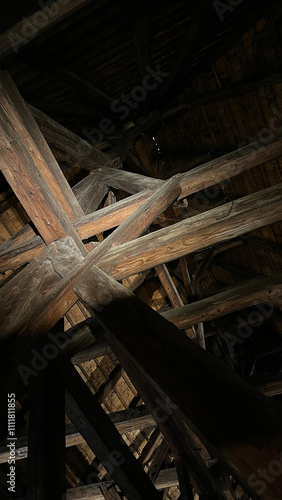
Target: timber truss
x,y
189,395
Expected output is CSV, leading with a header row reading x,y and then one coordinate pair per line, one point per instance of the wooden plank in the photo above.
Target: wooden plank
x,y
28,131
247,437
46,440
125,421
32,26
102,436
65,142
207,229
90,192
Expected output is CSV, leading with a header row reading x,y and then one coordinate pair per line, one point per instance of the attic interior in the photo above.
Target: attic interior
x,y
141,250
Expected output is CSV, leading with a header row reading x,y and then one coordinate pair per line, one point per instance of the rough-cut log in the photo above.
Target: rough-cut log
x,y
19,152
67,143
247,436
256,291
90,192
29,28
129,182
46,440
20,118
124,421
214,226
102,436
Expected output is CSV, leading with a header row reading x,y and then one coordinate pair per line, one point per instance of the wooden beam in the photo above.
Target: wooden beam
x,y
31,27
65,142
125,421
128,181
166,479
223,223
46,440
23,125
15,253
25,168
102,436
247,437
90,192
246,294
197,179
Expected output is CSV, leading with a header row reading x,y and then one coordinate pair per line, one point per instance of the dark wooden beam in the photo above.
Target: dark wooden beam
x,y
125,421
65,142
253,433
102,436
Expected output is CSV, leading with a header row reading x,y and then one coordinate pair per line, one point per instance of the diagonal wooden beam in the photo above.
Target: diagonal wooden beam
x,y
65,142
102,436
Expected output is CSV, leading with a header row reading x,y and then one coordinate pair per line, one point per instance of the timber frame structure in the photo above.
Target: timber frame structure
x,y
96,224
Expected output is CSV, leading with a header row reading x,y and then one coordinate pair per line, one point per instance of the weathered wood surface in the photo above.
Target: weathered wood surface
x,y
18,154
214,226
203,230
20,118
102,436
65,142
246,436
128,181
90,192
256,291
124,421
15,253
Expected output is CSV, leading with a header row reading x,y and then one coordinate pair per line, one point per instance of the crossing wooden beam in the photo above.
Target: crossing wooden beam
x,y
246,437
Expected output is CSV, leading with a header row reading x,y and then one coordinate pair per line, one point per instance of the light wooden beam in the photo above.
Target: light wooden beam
x,y
90,191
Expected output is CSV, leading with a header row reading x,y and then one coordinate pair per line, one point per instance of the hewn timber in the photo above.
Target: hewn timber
x,y
102,436
128,181
25,126
15,253
124,421
207,229
256,291
65,142
23,173
190,182
90,192
247,436
30,27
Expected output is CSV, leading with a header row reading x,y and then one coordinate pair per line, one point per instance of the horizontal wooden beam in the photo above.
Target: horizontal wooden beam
x,y
220,224
256,291
124,421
